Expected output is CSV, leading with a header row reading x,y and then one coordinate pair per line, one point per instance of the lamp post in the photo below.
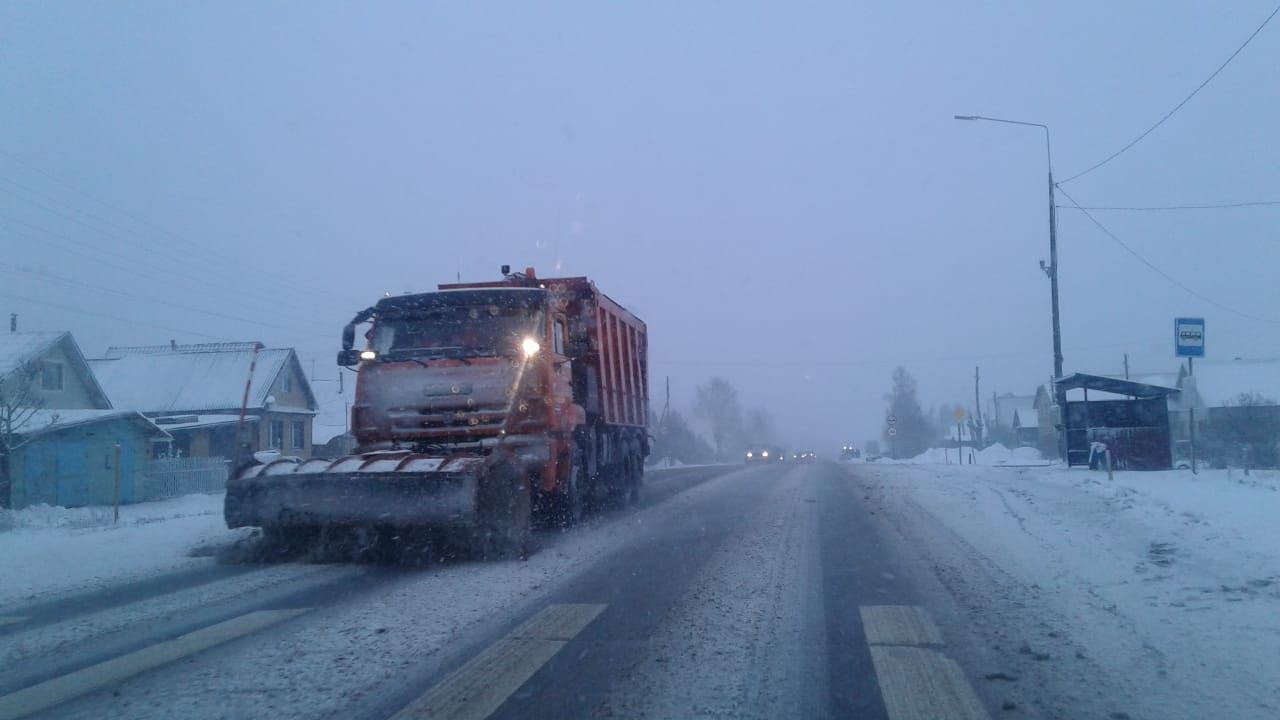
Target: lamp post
x,y
1051,269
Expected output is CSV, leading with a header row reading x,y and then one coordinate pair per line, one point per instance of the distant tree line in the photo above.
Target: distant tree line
x,y
733,430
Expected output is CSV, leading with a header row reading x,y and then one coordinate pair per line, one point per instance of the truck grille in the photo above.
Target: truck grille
x,y
412,421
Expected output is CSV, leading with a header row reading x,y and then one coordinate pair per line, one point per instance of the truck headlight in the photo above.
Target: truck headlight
x,y
530,347
368,355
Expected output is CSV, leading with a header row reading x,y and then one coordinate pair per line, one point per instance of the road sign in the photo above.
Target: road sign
x,y
1188,337
892,431
892,420
959,414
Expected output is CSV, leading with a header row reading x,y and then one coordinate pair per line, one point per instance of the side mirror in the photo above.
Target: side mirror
x,y
348,337
348,357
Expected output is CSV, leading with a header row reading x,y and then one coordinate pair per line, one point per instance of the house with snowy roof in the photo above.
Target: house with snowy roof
x,y
196,393
1237,410
1013,420
61,441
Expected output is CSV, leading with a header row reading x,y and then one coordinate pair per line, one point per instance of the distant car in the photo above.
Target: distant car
x,y
765,455
804,456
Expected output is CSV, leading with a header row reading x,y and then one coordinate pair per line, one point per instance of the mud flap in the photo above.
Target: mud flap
x,y
504,512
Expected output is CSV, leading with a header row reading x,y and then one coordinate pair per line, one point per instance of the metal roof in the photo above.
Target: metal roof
x,y
47,421
1118,386
190,379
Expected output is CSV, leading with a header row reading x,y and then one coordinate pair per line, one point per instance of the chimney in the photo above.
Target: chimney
x,y
13,322
173,345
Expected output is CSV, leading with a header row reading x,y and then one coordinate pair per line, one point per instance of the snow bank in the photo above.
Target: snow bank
x,y
1158,591
46,550
996,454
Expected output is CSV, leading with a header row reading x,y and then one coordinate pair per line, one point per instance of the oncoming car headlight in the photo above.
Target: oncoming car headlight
x,y
530,347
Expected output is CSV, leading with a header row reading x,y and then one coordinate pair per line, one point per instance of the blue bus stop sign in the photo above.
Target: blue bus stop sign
x,y
1188,337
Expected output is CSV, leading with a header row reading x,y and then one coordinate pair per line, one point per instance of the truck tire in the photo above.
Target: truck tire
x,y
635,478
288,541
504,513
574,503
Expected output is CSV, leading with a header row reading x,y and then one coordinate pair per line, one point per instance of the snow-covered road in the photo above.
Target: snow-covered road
x,y
807,590
1153,595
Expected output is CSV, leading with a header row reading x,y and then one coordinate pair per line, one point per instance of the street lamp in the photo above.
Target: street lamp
x,y
1052,268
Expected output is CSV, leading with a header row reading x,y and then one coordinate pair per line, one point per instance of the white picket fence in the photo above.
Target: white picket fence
x,y
173,477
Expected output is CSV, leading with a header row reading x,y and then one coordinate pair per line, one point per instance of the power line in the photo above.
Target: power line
x,y
148,300
1177,107
1162,273
134,217
168,252
252,289
904,361
132,321
1159,208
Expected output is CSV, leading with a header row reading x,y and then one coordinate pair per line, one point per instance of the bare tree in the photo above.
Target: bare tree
x,y
717,403
20,400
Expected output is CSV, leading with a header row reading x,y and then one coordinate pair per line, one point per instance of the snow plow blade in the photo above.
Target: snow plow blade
x,y
382,488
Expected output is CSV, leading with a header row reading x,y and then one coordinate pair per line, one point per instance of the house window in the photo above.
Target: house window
x,y
51,376
557,338
275,434
299,434
286,381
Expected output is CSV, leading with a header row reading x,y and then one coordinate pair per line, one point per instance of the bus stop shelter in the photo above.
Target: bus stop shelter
x,y
1130,418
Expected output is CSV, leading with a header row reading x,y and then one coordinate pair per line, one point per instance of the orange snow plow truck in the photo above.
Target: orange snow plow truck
x,y
476,407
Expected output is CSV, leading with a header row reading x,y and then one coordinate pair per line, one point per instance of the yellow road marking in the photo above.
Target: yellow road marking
x,y
10,620
899,625
923,684
109,672
916,683
479,687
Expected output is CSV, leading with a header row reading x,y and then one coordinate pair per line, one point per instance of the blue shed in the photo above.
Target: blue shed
x,y
68,457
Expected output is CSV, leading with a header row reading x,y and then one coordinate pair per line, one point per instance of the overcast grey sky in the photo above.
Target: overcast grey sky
x,y
779,190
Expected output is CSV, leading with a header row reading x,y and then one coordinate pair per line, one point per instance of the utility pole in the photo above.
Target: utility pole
x,y
1060,396
1126,366
977,410
1191,417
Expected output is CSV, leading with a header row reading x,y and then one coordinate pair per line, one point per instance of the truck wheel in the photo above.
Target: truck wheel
x,y
288,541
574,502
504,514
635,476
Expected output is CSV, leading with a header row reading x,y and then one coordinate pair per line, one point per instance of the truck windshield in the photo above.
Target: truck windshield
x,y
461,330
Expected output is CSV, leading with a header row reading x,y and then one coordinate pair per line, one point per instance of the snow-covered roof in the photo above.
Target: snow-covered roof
x,y
1161,379
1222,383
1001,411
47,420
188,422
189,378
1026,417
19,347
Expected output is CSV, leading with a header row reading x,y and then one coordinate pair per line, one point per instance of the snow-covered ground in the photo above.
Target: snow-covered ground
x,y
47,550
996,454
1155,595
